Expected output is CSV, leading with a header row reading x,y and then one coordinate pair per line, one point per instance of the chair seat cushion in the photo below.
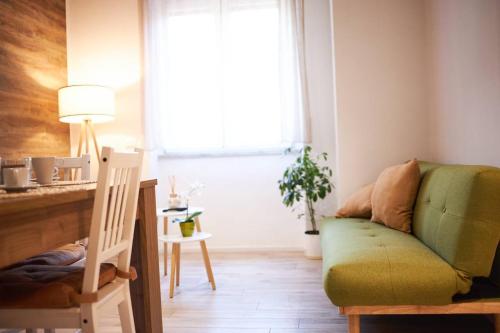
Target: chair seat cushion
x,y
42,286
365,263
62,256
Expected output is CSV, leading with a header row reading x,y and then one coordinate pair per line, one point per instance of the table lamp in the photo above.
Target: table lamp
x,y
86,104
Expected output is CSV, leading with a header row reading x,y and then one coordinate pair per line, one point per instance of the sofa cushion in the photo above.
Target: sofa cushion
x,y
394,195
457,215
366,263
359,204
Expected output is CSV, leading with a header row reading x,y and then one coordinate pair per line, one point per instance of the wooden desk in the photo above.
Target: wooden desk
x,y
46,218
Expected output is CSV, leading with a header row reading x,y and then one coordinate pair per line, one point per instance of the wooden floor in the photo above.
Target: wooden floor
x,y
273,293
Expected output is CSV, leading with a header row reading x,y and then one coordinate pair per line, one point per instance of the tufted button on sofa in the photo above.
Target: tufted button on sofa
x,y
371,269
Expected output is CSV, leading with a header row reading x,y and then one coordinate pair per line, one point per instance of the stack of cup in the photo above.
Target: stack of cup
x,y
45,169
15,173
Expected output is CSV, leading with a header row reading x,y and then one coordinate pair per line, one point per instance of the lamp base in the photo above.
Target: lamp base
x,y
85,128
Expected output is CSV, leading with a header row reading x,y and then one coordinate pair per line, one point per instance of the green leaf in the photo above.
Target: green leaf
x,y
192,216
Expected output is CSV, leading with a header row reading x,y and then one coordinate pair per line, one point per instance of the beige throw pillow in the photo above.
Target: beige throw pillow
x,y
358,204
394,194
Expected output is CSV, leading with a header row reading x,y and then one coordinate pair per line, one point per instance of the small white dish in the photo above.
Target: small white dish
x,y
19,188
54,179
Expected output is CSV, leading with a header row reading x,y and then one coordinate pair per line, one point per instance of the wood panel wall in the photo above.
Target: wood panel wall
x,y
32,69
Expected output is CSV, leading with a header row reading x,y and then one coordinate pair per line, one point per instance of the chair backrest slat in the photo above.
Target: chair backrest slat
x,y
113,217
118,233
111,208
119,205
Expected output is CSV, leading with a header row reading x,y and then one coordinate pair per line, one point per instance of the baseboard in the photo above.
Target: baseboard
x,y
256,249
270,249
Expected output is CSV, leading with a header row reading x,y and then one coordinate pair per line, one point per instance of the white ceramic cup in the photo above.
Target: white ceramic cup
x,y
16,177
44,169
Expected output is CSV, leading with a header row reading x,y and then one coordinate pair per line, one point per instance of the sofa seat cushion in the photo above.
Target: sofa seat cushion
x,y
46,286
365,263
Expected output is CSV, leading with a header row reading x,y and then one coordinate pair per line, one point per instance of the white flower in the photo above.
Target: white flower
x,y
194,189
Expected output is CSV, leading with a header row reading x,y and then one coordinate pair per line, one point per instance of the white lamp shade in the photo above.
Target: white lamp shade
x,y
86,102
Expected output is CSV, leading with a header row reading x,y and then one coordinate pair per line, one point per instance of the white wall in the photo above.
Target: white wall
x,y
464,80
381,105
243,205
104,47
415,79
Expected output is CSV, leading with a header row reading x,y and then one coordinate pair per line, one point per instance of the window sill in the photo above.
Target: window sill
x,y
227,153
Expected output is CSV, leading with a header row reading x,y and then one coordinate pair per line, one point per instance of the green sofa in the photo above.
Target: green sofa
x,y
371,269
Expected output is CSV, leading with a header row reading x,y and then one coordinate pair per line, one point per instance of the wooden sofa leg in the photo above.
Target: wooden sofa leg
x,y
354,324
496,321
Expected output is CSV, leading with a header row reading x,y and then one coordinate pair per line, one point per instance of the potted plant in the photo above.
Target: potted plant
x,y
187,224
307,181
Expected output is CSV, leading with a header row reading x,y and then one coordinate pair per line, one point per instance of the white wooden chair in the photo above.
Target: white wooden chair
x,y
71,165
111,235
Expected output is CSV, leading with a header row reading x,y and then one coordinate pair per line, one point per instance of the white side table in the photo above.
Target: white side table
x,y
177,240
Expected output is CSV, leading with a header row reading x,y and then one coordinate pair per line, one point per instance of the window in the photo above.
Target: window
x,y
228,82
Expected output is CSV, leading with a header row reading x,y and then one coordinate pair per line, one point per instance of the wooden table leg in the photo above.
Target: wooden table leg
x,y
145,291
208,265
165,246
173,264
178,266
206,258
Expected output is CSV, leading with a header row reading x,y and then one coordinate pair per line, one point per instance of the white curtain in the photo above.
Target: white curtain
x,y
297,122
295,119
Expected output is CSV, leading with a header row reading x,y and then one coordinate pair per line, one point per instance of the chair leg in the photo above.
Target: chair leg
x,y
178,266
126,314
173,262
208,266
165,246
89,318
354,323
496,318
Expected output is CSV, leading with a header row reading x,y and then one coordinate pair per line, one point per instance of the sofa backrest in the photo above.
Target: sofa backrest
x,y
457,215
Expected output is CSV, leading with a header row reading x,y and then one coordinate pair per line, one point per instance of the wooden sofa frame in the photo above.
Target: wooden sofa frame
x,y
353,313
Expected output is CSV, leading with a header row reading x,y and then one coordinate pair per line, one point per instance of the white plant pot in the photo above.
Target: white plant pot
x,y
312,248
